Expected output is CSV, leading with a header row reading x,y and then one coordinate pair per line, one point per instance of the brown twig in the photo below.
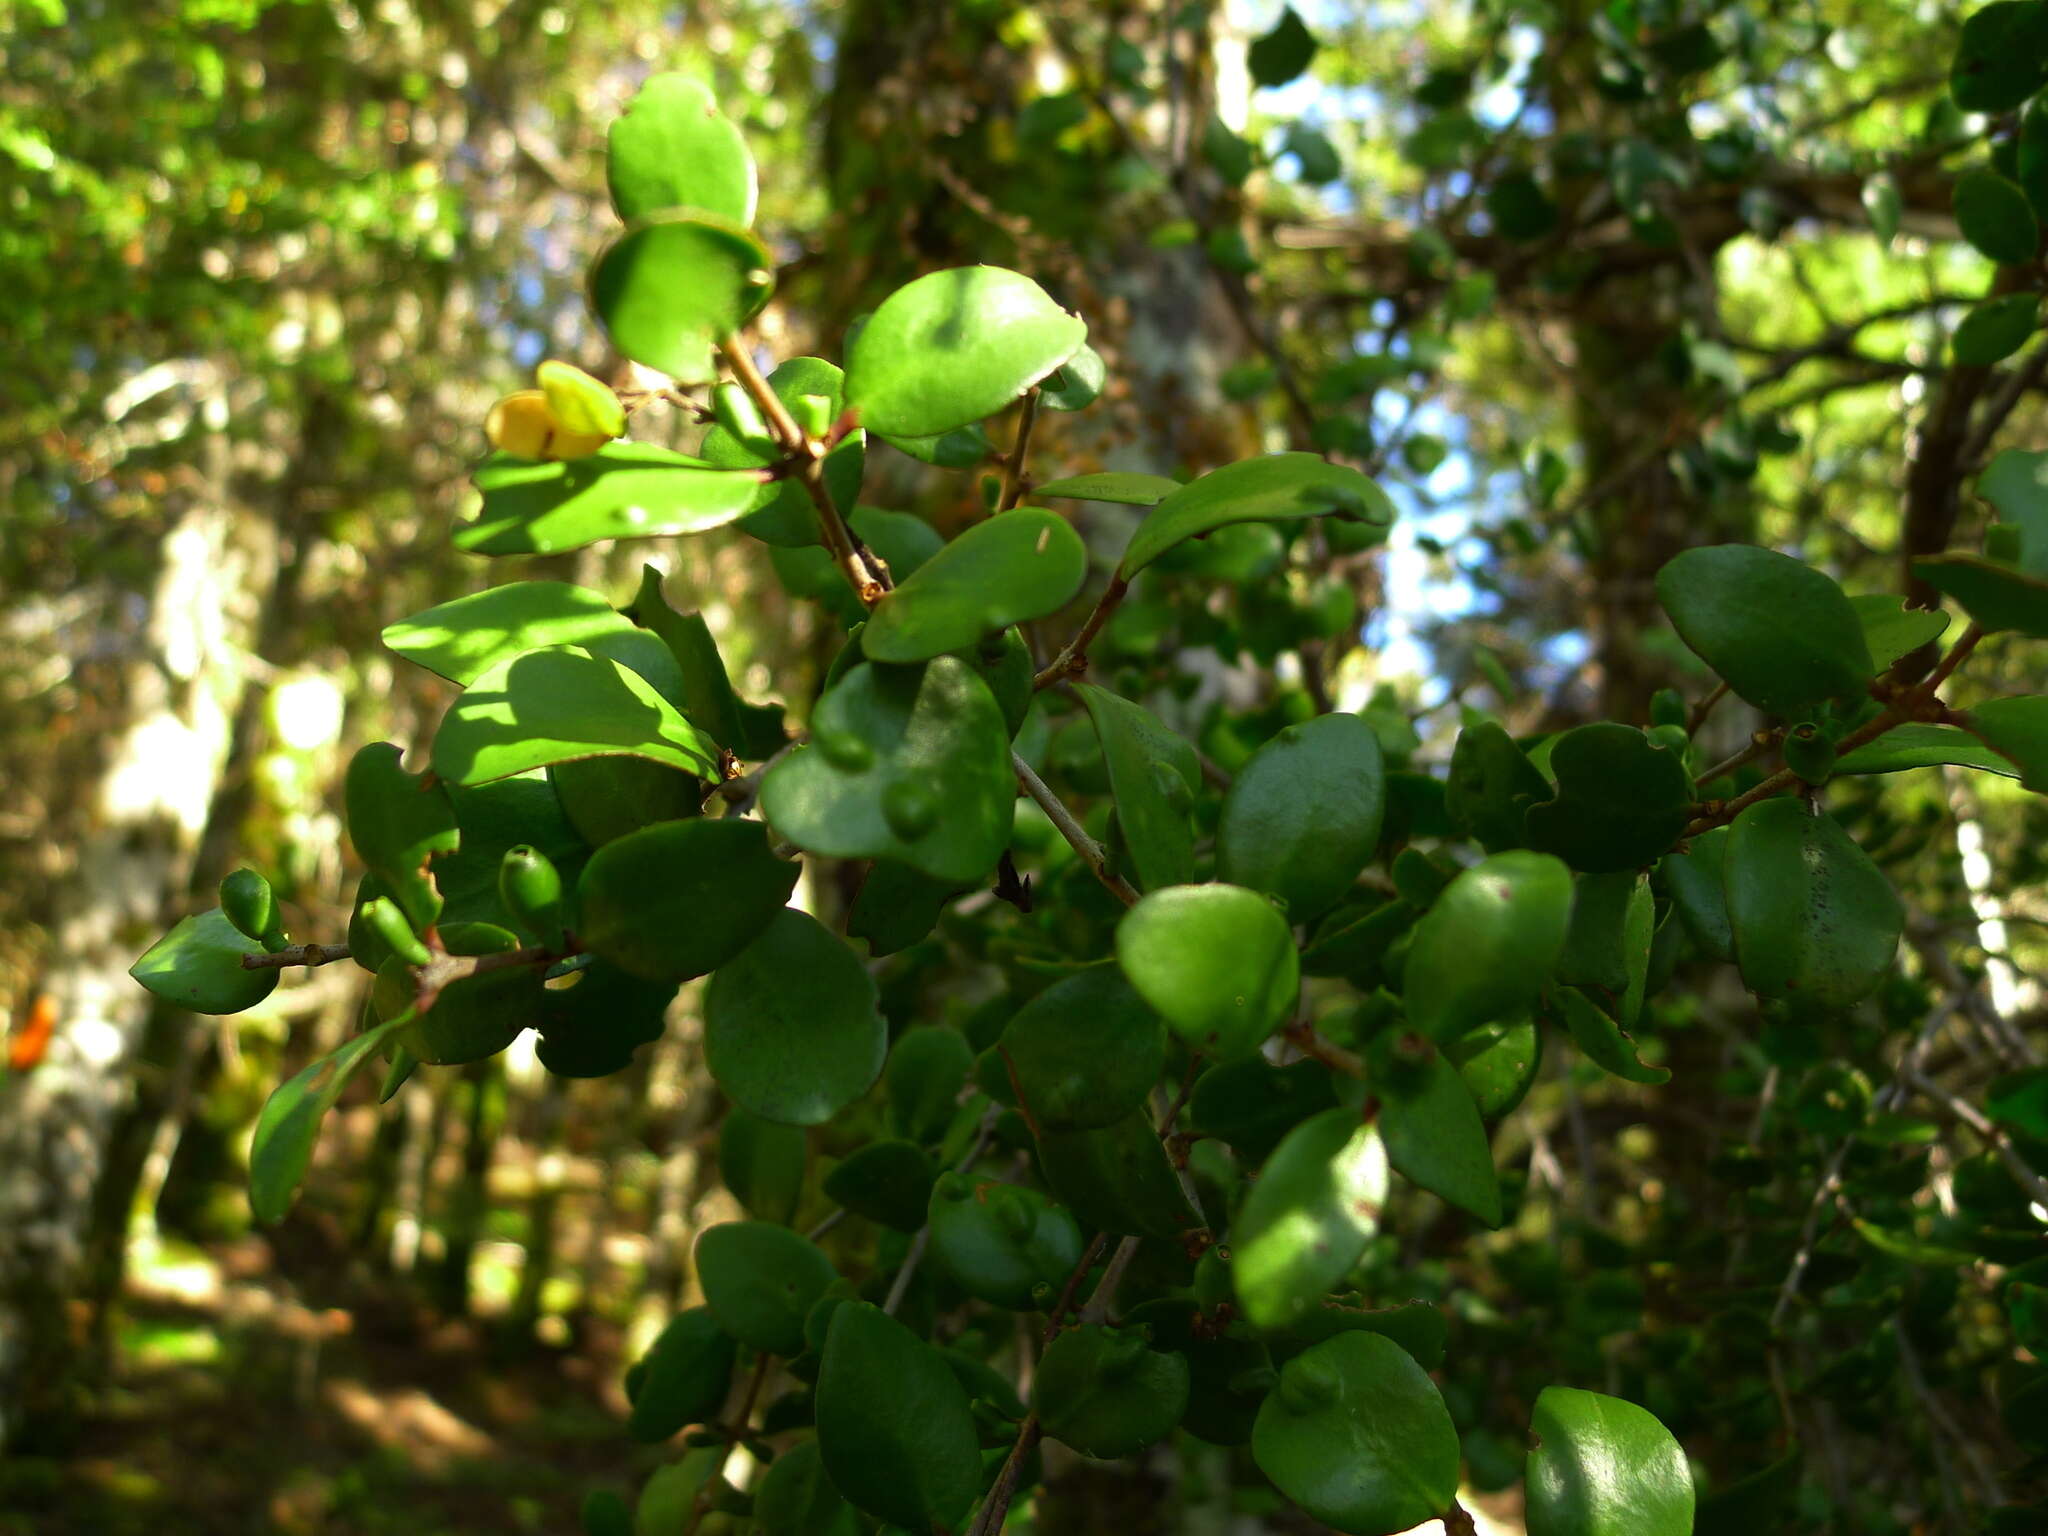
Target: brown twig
x,y
1073,657
298,954
1303,1037
1014,477
1091,851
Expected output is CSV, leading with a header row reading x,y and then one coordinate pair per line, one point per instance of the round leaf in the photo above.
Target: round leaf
x,y
952,347
1000,1242
682,898
1105,1394
1995,329
1995,216
1076,383
1621,799
796,1497
894,1424
1485,948
1217,962
1086,1051
1308,1218
398,821
885,1181
1498,1063
198,965
671,148
1271,489
623,491
1813,918
927,1068
1604,1467
1153,775
1357,1435
1117,1179
760,1282
2002,56
675,283
763,1164
463,639
791,1030
683,1377
1435,1138
1781,633
1017,566
1302,817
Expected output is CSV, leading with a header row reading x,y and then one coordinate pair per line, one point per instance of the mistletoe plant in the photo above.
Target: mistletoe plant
x,y
1242,992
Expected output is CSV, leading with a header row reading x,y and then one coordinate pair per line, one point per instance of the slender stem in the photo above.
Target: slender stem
x,y
1958,653
1112,1277
997,1507
1303,1037
1013,467
1759,744
1720,813
1697,717
1065,1304
1062,818
733,1432
298,954
445,969
900,1286
1458,1521
1073,657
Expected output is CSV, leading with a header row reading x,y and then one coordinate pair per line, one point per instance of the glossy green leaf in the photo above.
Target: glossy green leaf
x,y
897,906
782,512
559,705
1302,817
683,898
927,1069
675,283
1357,1435
1274,488
1153,775
1486,948
1250,1104
796,1497
398,821
1129,490
1216,962
1491,786
1000,1242
463,639
1601,1466
1608,944
760,1282
1435,1138
952,347
1780,633
2018,730
1995,216
671,148
1813,918
2016,483
1307,1220
894,1424
2019,1101
198,965
1695,881
1603,1040
669,1497
1086,1051
475,1017
886,1181
1076,384
1497,1063
1020,565
607,798
683,1377
250,906
905,763
1995,329
1998,597
1622,799
623,491
791,1029
1283,53
1103,1392
763,1164
962,448
1916,745
1892,630
706,694
1117,1179
2002,57
590,1027
290,1123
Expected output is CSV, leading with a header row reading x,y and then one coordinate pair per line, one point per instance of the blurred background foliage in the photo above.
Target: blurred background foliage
x,y
1584,284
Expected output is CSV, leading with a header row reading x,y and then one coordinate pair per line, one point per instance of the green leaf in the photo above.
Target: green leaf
x,y
791,1027
675,283
796,1497
1995,329
398,821
962,448
1128,489
1020,565
2016,483
886,1181
1315,157
1892,630
896,907
763,1163
558,705
1622,799
590,1027
1604,1467
1603,1040
1923,746
905,763
1274,488
781,512
1519,207
2002,56
623,491
760,1282
1813,918
1283,53
1116,1178
682,898
669,1496
1153,775
683,1377
1104,1393
198,965
926,1070
475,1017
707,697
1216,962
1086,1051
1250,1105
1486,947
1435,1137
1491,786
1308,1219
1358,1436
290,1122
671,148
1076,384
1608,945
1995,216
464,639
2019,1101
999,1242
2017,729
1997,596
1302,817
1695,882
1497,1063
952,347
895,1426
1782,634
1883,206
